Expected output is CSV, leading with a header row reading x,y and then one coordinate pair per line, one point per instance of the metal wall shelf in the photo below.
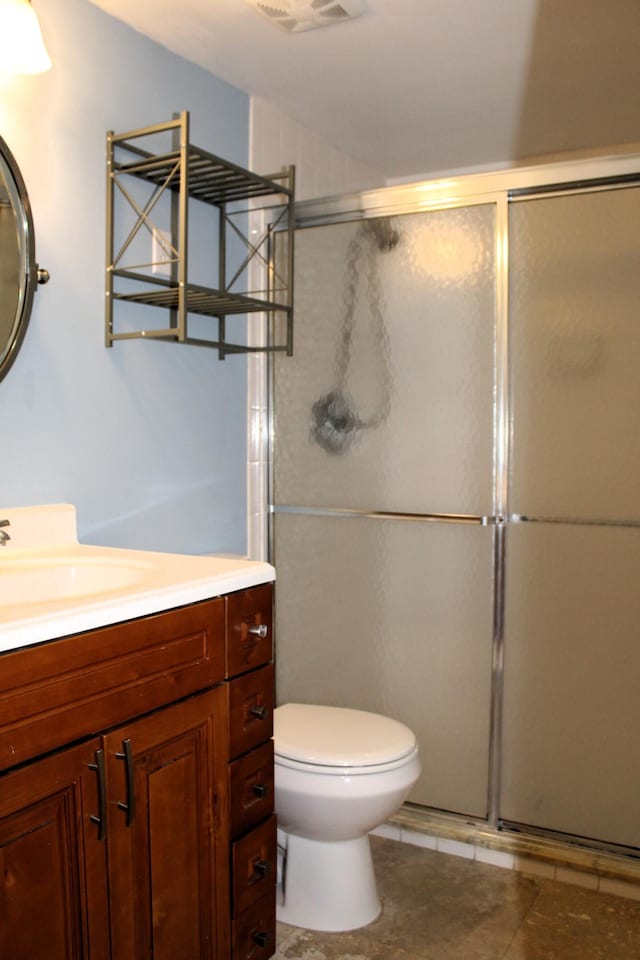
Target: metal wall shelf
x,y
258,210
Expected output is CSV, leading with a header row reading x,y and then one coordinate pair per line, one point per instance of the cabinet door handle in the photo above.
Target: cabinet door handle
x,y
260,937
101,817
260,789
259,630
262,867
129,806
260,711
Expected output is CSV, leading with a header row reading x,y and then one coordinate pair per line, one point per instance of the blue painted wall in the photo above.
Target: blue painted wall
x,y
146,439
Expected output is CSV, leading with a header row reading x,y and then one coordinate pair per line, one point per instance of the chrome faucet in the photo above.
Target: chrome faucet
x,y
4,536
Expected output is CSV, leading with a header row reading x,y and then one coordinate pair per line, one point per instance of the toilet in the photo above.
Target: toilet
x,y
339,773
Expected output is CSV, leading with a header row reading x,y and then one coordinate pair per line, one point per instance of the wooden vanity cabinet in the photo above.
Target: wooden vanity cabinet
x,y
148,838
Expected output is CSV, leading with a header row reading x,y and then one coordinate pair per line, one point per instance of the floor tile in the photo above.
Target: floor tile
x,y
435,905
569,923
358,945
438,907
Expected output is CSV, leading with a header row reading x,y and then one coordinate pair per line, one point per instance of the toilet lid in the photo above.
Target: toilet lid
x,y
337,736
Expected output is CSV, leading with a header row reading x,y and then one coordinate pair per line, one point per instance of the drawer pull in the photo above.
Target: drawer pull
x,y
260,711
128,806
260,790
260,937
100,819
259,630
262,868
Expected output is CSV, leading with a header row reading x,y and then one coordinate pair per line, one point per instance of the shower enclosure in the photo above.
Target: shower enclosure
x,y
455,486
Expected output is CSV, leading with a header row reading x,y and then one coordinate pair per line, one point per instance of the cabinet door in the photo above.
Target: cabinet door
x,y
169,898
53,898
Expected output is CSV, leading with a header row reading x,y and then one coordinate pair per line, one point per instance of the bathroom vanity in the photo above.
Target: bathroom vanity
x,y
136,781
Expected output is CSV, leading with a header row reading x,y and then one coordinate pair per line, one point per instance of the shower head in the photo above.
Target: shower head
x,y
384,236
334,423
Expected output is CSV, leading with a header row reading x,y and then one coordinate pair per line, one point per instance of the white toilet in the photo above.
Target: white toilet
x,y
339,773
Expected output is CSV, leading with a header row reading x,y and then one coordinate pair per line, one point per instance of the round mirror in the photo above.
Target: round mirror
x,y
18,269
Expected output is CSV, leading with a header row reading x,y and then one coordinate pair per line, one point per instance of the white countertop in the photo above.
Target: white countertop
x,y
153,581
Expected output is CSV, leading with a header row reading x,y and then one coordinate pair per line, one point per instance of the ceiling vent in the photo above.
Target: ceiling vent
x,y
297,15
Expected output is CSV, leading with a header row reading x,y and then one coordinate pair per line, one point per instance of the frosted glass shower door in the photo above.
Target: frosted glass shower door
x,y
383,472
419,366
572,614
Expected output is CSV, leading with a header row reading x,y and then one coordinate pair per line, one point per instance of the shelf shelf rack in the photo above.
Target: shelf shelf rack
x,y
256,212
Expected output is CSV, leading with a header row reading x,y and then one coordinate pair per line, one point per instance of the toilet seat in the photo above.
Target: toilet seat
x,y
329,770
338,740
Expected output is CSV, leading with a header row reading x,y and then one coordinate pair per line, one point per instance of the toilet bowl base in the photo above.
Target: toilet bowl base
x,y
328,885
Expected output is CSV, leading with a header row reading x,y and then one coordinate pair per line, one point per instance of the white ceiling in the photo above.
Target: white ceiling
x,y
415,87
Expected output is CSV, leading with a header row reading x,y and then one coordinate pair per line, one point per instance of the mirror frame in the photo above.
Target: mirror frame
x,y
29,267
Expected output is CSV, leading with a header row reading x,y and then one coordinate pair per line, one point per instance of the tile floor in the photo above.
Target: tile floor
x,y
439,907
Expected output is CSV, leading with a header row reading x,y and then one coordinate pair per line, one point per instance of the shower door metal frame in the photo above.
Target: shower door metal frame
x,y
499,189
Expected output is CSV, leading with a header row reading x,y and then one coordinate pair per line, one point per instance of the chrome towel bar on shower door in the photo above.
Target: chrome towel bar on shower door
x,y
469,518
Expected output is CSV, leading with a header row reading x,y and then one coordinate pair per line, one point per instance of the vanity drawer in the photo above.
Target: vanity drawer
x,y
250,710
251,789
254,866
70,688
249,629
254,931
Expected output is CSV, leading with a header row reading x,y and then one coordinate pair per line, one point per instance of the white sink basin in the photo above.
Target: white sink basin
x,y
43,581
53,586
